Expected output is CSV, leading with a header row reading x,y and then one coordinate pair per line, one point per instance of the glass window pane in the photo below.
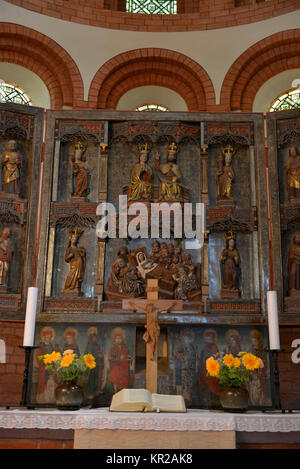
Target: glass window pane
x,y
152,7
10,93
288,100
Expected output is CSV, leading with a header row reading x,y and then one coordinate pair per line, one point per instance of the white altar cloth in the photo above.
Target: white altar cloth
x,y
193,420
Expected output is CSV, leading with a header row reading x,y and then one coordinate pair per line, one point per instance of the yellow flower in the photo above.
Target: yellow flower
x,y
236,362
229,360
250,361
67,360
89,361
212,367
51,357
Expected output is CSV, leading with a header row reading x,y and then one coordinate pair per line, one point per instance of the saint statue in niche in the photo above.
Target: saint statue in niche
x,y
75,256
225,174
140,187
294,266
80,171
230,267
170,188
11,162
292,175
6,254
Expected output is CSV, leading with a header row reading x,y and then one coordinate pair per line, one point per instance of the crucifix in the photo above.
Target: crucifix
x,y
152,307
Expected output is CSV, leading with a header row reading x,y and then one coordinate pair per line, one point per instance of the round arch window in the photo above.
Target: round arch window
x,y
151,107
288,100
10,93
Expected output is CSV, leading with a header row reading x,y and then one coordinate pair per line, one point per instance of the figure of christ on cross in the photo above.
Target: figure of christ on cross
x,y
152,332
152,307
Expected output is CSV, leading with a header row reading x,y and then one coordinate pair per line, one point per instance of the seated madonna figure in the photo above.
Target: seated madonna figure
x,y
140,187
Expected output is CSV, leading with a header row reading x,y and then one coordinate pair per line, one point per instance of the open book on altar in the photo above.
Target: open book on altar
x,y
141,400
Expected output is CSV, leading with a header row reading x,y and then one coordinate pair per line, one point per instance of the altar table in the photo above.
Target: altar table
x,y
99,428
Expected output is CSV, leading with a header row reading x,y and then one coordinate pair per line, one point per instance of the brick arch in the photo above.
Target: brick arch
x,y
43,56
256,65
158,67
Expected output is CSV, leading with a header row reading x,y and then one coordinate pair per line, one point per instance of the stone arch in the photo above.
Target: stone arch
x,y
160,67
46,58
266,58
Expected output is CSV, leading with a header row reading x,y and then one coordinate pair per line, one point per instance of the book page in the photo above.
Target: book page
x,y
168,402
136,395
131,400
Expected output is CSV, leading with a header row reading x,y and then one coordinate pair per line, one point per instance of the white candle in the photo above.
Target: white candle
x,y
274,339
29,328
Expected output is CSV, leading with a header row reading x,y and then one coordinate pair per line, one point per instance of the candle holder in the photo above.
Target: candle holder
x,y
28,351
275,383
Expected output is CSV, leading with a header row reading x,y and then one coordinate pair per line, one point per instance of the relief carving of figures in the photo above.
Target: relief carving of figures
x,y
6,254
225,174
294,266
140,187
177,278
80,171
292,174
76,257
11,163
170,188
230,267
125,279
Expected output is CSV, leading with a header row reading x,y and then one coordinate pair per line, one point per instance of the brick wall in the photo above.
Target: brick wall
x,y
11,372
193,15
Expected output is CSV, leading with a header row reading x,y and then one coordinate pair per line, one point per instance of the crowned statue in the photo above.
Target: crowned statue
x,y
225,174
140,187
169,174
76,257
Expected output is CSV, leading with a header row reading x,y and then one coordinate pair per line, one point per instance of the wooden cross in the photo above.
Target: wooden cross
x,y
152,306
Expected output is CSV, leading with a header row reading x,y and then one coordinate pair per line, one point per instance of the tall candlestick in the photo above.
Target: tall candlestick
x,y
29,328
274,339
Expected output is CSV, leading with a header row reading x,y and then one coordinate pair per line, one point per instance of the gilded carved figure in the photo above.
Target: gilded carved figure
x,y
225,174
140,187
76,257
294,265
170,188
292,174
6,254
230,265
11,163
80,171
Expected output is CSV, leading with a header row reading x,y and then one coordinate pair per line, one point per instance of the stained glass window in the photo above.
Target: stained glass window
x,y
151,107
288,100
10,93
152,7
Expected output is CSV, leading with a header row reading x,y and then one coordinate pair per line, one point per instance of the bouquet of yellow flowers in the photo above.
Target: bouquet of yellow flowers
x,y
233,371
68,366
